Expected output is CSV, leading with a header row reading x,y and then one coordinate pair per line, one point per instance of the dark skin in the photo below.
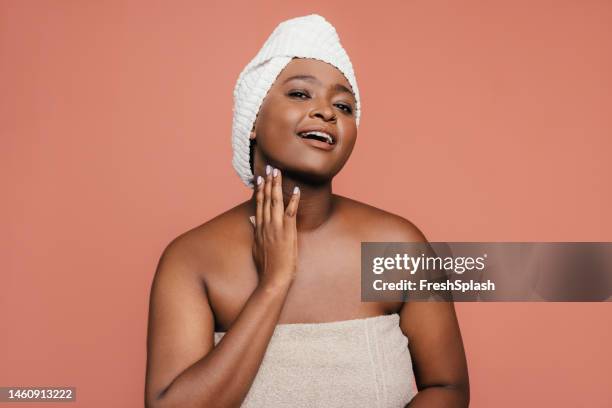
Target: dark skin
x,y
301,263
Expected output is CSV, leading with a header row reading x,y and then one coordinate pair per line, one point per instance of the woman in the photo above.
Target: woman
x,y
269,314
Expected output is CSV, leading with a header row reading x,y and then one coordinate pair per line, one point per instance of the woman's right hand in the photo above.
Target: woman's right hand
x,y
275,244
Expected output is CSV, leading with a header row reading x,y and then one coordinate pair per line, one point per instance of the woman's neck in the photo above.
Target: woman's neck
x,y
316,204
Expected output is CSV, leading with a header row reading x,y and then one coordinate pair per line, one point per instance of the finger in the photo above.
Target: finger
x,y
259,196
292,205
267,194
277,208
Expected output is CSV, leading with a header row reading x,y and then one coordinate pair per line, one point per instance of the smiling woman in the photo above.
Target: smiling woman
x,y
278,321
298,105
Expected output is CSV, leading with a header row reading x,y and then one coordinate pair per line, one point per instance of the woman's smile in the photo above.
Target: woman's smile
x,y
317,143
318,136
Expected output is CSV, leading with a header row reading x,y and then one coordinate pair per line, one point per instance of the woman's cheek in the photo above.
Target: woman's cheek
x,y
350,135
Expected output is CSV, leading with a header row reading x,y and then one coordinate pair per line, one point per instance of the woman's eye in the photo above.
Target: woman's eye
x,y
299,94
344,107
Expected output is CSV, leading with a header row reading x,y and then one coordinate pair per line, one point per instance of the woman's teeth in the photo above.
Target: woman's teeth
x,y
318,135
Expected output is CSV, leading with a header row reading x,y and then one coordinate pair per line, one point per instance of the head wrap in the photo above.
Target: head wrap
x,y
305,37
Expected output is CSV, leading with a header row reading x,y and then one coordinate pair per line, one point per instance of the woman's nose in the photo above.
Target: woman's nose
x,y
324,112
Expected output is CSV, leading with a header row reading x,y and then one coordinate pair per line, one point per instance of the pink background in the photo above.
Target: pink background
x,y
482,121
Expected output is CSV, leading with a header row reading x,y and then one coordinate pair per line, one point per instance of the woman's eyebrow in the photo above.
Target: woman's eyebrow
x,y
337,87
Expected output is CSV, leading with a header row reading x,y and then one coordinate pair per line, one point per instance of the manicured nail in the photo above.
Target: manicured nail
x,y
259,180
296,190
268,169
275,173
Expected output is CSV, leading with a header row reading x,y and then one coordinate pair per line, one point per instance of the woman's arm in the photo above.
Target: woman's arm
x,y
434,340
438,357
184,368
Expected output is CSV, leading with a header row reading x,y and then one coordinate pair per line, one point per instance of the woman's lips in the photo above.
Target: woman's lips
x,y
317,143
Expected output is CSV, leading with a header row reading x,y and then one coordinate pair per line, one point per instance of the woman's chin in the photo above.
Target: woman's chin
x,y
309,175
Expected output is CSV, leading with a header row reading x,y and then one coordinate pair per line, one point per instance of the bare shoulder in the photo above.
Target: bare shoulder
x,y
202,247
378,225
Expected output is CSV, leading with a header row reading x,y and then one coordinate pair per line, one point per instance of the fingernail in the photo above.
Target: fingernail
x,y
296,190
268,169
275,173
252,218
259,180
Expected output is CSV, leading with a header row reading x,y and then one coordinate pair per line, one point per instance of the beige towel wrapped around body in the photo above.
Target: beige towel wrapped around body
x,y
349,363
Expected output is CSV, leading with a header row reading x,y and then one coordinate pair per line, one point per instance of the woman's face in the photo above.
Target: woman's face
x,y
308,95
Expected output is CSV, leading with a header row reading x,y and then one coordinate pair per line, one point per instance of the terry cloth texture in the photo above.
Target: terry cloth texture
x,y
351,363
305,37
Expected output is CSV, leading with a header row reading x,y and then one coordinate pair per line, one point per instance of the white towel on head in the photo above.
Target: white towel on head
x,y
306,37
